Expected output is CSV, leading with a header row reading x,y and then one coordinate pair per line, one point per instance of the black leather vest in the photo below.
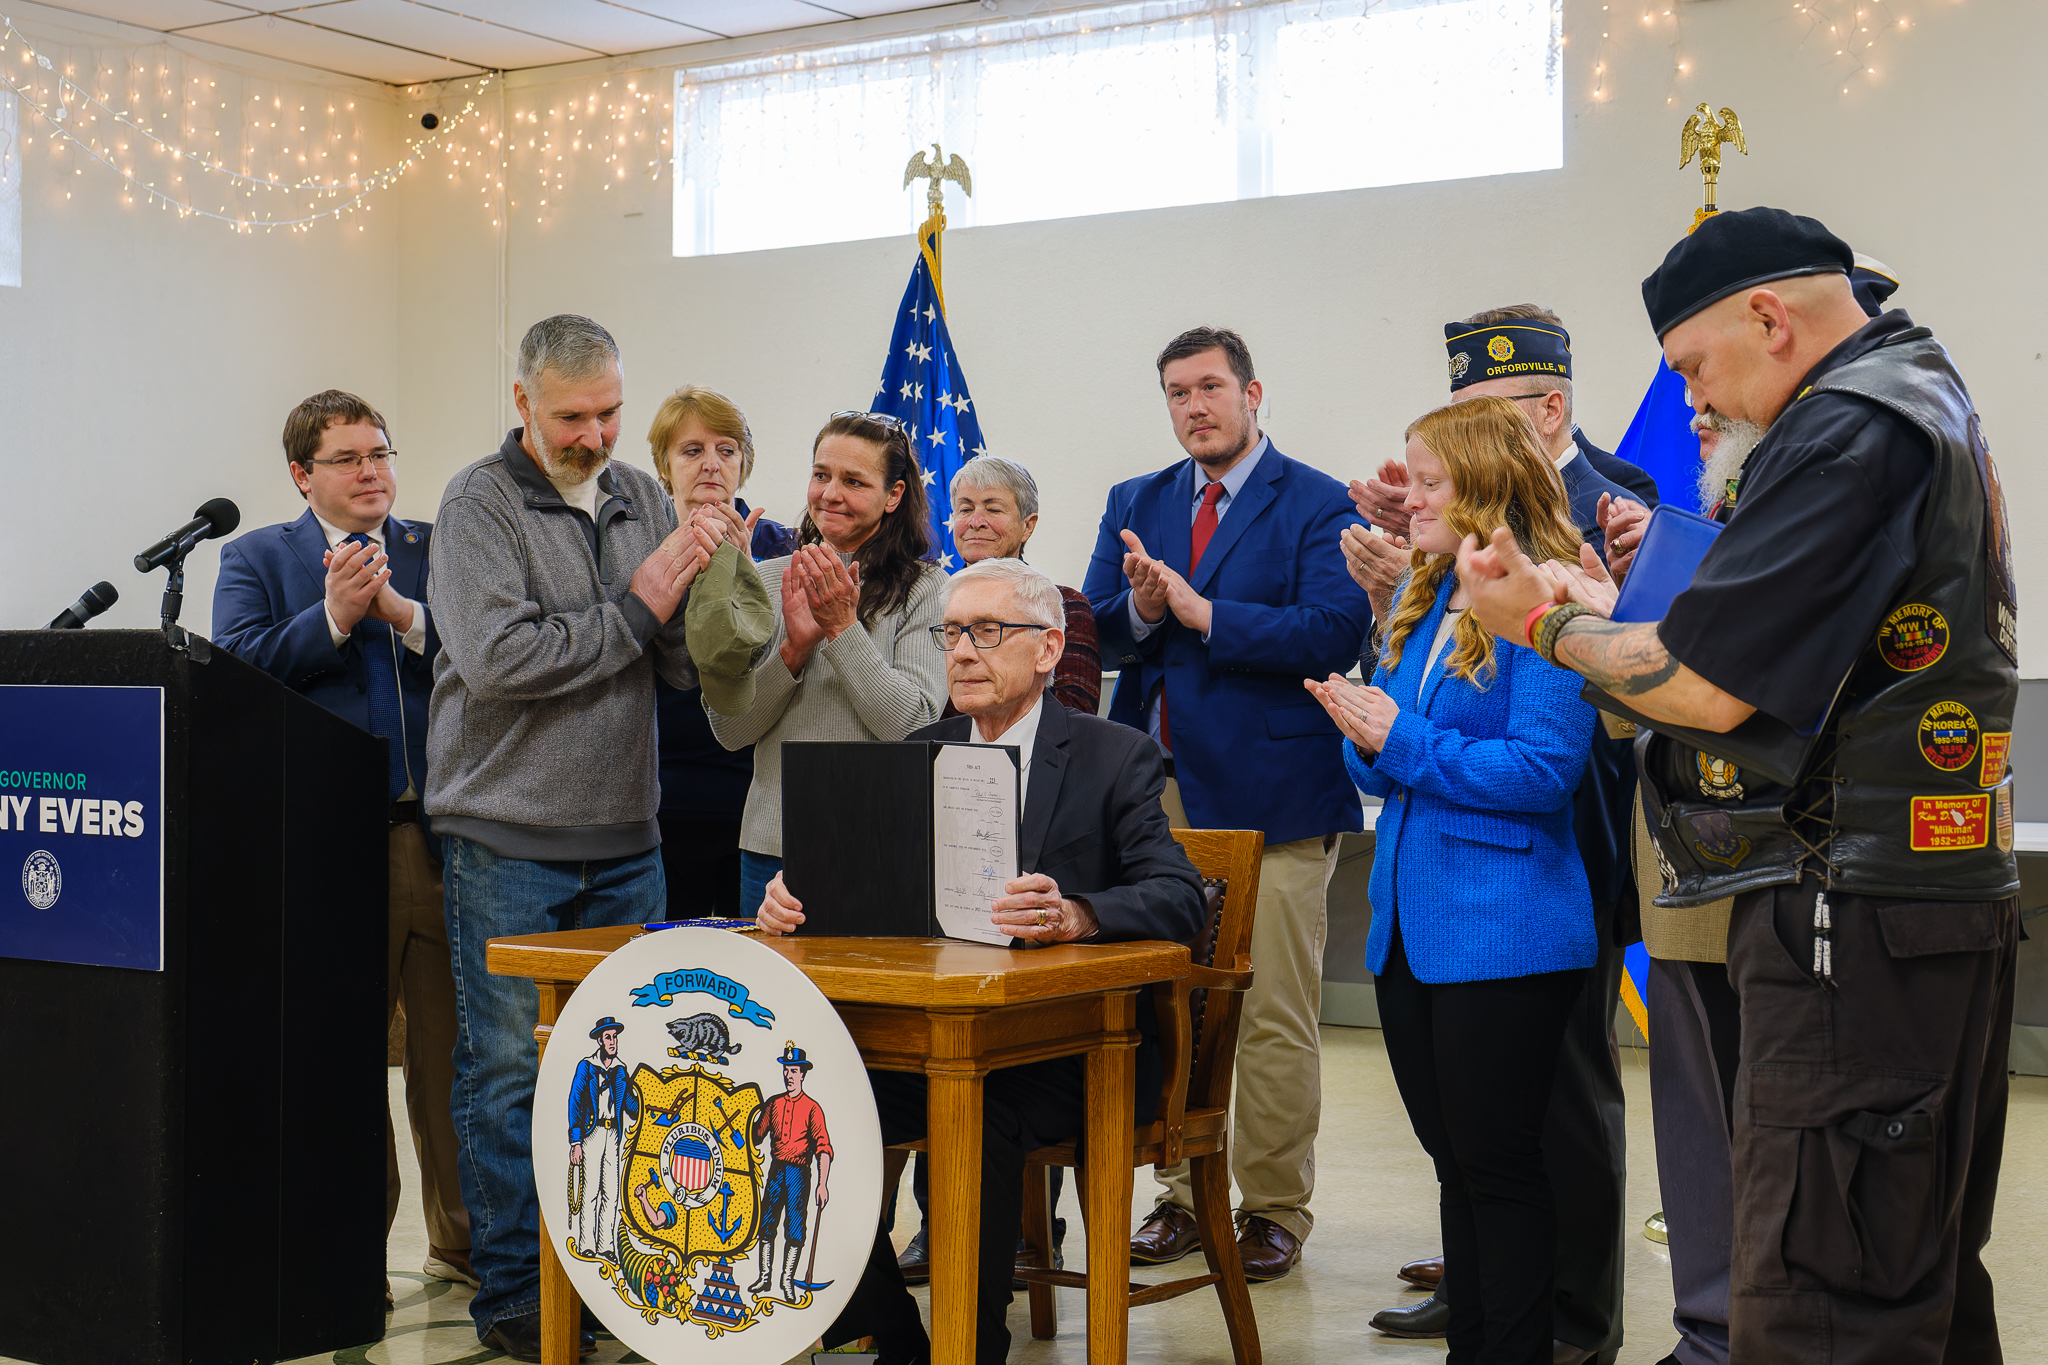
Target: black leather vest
x,y
1903,791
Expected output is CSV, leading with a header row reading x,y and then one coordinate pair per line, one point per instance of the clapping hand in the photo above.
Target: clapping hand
x,y
833,588
724,522
357,574
666,574
1158,589
1383,501
1585,582
1365,714
800,630
1376,563
1622,522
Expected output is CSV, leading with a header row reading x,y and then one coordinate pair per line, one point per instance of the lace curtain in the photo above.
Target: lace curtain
x,y
10,190
1106,110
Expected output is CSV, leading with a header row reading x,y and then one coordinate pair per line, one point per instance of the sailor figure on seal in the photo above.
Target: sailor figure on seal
x,y
599,1103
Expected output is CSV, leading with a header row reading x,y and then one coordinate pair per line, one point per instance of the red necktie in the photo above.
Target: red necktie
x,y
1205,527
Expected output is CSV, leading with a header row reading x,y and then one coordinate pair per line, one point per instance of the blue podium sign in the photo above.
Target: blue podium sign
x,y
81,825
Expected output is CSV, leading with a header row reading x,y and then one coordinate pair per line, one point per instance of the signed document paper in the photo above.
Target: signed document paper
x,y
974,845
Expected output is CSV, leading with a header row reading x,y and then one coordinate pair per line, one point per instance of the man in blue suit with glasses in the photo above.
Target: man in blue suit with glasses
x,y
333,605
1218,585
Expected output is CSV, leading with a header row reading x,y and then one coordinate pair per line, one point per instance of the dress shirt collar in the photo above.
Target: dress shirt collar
x,y
1234,481
1571,452
1024,734
335,535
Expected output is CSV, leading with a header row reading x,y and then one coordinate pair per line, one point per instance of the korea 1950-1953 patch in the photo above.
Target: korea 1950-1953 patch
x,y
1949,737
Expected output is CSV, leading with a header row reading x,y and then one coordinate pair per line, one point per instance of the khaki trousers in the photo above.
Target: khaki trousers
x,y
1278,1103
418,974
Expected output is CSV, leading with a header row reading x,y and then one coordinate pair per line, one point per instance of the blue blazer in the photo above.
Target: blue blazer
x,y
1251,748
269,609
1474,851
1633,481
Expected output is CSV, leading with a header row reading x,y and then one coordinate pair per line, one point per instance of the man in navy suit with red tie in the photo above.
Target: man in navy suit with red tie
x,y
333,605
1218,585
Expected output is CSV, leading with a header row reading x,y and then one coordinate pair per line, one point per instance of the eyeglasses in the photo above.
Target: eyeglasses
x,y
884,418
985,634
349,464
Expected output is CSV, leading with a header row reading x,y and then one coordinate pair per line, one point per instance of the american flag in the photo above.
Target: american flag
x,y
922,387
691,1160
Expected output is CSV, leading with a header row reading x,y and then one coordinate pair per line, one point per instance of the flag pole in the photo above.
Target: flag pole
x,y
937,170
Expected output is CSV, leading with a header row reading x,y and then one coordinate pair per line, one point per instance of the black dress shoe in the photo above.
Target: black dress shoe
x,y
519,1337
1430,1318
915,1261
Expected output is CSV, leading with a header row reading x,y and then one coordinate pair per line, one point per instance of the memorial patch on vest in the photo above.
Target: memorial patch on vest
x,y
1996,747
1913,637
1715,839
1943,824
1948,736
2001,601
1719,778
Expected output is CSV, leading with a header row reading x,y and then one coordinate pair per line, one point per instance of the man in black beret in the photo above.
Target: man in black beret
x,y
1830,708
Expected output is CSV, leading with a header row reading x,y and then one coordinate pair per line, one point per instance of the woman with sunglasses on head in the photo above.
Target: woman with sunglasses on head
x,y
850,658
1482,933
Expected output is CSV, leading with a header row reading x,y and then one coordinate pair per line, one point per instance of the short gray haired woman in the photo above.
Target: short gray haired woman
x,y
995,510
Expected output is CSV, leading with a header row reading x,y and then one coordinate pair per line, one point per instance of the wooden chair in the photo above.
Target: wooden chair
x,y
1198,1021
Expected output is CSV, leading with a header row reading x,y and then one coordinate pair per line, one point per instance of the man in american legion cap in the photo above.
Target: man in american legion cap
x,y
1830,708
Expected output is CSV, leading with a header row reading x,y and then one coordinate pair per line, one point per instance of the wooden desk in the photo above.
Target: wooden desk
x,y
954,1011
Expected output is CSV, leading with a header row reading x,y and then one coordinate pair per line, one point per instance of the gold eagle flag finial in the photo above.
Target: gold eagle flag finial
x,y
938,170
1703,136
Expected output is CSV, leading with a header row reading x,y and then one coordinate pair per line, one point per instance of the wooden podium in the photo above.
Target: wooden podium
x,y
195,1154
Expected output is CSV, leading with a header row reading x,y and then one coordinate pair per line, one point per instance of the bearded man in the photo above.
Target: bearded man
x,y
559,579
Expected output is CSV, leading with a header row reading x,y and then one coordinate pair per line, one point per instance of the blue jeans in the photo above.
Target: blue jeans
x,y
756,871
496,1058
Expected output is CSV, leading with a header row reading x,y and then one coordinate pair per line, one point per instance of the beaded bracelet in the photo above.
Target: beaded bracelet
x,y
1553,624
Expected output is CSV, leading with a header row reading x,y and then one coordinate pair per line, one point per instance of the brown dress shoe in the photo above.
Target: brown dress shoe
x,y
1267,1249
1168,1234
1427,1273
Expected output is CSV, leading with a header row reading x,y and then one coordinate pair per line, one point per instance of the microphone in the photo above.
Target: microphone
x,y
97,599
214,518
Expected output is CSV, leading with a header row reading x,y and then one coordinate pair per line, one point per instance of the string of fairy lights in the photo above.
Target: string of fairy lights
x,y
1844,34
141,116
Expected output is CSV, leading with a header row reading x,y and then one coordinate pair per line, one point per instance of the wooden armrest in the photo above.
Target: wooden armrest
x,y
1215,979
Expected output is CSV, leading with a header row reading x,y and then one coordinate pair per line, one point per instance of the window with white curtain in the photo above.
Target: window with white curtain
x,y
1132,106
10,191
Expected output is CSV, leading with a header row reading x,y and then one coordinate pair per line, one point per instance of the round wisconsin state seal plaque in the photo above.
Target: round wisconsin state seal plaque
x,y
706,1149
1913,637
1949,736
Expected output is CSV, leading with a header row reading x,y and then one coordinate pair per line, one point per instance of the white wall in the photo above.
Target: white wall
x,y
147,362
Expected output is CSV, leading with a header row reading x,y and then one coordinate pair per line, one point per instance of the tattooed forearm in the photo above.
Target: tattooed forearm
x,y
1626,659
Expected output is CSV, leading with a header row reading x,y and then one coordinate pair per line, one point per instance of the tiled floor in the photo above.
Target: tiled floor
x,y
1376,1207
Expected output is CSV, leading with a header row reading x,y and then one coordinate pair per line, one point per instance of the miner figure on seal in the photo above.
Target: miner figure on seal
x,y
793,1124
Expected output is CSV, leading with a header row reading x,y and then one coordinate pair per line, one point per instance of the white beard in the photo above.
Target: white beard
x,y
1738,439
559,469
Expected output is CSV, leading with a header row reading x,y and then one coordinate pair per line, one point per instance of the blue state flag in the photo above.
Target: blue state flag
x,y
1661,443
923,388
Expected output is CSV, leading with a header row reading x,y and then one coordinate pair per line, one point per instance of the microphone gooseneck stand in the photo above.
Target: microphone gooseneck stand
x,y
175,635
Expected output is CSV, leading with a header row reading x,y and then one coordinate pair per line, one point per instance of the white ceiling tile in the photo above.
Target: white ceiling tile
x,y
466,37
732,18
296,42
592,24
162,15
868,9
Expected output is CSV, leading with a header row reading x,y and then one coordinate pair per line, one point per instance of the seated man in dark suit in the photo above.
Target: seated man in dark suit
x,y
1099,866
333,605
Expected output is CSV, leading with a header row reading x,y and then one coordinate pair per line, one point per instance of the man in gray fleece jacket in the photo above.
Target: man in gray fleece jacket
x,y
557,578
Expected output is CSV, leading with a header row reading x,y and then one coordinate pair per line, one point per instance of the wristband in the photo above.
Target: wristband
x,y
1552,626
1530,622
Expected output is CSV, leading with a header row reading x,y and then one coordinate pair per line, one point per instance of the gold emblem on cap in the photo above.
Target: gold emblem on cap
x,y
1501,349
1460,362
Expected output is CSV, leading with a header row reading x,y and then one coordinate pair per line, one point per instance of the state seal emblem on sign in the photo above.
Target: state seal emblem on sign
x,y
1501,349
42,881
1913,637
1948,735
695,1170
